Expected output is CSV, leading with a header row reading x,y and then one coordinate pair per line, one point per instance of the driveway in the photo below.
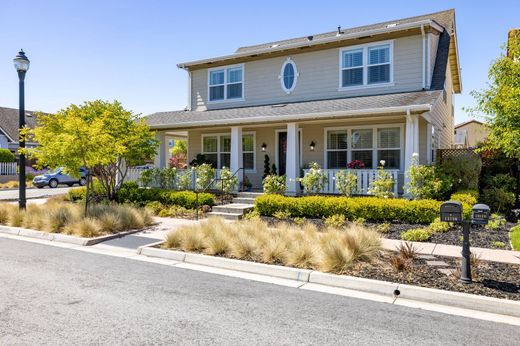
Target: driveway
x,y
51,295
11,195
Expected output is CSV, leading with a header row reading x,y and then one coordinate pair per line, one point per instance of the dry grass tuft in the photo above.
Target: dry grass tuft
x,y
87,227
334,250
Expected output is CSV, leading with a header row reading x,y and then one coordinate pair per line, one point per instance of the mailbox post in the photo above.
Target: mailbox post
x,y
452,212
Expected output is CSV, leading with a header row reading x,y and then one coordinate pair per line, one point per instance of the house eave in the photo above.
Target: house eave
x,y
295,117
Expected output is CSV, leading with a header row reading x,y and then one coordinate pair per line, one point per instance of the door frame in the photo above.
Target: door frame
x,y
276,144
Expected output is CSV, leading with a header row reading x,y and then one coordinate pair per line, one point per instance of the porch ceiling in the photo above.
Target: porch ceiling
x,y
416,102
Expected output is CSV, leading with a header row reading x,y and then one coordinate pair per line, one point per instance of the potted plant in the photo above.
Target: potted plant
x,y
356,164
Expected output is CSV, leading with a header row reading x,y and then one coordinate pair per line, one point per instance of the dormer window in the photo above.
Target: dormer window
x,y
288,76
366,65
226,83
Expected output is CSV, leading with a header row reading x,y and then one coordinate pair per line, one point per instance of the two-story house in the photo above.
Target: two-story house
x,y
370,93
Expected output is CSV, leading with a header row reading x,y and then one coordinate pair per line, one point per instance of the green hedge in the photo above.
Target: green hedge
x,y
131,193
6,155
369,208
514,235
468,198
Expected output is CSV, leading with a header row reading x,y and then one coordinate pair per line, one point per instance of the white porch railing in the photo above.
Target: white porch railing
x,y
133,174
364,178
8,168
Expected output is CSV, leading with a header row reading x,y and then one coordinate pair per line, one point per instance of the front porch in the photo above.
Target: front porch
x,y
288,148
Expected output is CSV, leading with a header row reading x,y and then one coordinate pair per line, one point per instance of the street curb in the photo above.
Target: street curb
x,y
389,289
62,238
461,300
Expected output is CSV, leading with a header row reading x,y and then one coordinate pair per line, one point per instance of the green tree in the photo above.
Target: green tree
x,y
6,155
180,148
101,136
500,101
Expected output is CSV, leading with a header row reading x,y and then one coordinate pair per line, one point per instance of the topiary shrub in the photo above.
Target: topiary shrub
x,y
6,155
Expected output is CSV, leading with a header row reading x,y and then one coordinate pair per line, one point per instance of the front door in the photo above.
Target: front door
x,y
282,152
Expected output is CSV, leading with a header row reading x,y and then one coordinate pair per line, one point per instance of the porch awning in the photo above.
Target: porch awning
x,y
416,102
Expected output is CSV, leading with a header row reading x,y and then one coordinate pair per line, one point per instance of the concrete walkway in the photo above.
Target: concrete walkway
x,y
503,256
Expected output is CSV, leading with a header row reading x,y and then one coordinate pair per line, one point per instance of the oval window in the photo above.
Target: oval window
x,y
288,76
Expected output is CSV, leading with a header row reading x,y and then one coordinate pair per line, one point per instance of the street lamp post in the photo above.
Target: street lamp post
x,y
21,64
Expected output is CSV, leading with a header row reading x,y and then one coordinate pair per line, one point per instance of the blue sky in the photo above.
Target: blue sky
x,y
128,50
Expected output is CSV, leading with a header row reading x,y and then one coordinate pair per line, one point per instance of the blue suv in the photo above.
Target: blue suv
x,y
56,177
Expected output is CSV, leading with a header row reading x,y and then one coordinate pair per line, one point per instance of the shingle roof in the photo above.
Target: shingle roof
x,y
443,18
294,111
9,122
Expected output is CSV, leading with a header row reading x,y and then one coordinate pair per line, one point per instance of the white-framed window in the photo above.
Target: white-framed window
x,y
288,75
366,65
368,144
217,149
226,83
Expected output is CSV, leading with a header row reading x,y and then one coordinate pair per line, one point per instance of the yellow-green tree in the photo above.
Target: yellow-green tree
x,y
500,101
101,136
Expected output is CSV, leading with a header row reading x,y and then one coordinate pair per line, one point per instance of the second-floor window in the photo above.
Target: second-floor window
x,y
366,65
226,83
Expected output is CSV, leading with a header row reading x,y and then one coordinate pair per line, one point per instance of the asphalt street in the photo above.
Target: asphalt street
x,y
57,296
33,193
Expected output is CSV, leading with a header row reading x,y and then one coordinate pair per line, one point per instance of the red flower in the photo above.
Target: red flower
x,y
356,164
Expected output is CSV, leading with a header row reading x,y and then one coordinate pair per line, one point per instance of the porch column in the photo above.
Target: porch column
x,y
236,160
292,169
428,143
411,144
160,156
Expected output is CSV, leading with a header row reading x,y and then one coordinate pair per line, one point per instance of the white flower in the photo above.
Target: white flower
x,y
415,155
382,162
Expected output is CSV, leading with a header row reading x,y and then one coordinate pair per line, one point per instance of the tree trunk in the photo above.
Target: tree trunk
x,y
87,194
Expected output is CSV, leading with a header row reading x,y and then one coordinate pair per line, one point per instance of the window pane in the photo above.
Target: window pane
x,y
379,74
225,160
364,156
234,91
362,139
378,55
211,158
209,144
352,58
216,77
352,77
234,75
288,76
216,93
336,159
247,143
388,138
225,144
392,158
337,140
248,160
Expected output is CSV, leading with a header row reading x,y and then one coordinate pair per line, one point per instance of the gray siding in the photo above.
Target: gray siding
x,y
434,43
442,115
318,77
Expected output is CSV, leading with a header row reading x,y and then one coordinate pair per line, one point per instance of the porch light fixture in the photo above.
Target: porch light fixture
x,y
312,146
264,147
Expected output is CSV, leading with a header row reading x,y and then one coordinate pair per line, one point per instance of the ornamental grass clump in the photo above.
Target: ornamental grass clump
x,y
334,250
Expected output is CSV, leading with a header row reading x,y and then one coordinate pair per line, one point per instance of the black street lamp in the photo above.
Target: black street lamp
x,y
21,64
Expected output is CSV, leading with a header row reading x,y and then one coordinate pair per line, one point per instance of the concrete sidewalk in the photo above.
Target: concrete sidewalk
x,y
503,256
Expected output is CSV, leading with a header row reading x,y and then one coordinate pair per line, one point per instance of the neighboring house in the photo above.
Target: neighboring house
x,y
370,93
470,133
9,122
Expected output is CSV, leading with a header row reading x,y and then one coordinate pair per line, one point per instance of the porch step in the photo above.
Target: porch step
x,y
243,200
227,216
249,194
234,208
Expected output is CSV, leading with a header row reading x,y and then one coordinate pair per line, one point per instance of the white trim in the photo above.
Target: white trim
x,y
374,148
423,57
308,116
288,61
218,152
365,66
225,84
276,143
428,63
317,41
5,134
189,91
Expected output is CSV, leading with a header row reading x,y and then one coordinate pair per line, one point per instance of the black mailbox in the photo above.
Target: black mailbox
x,y
451,211
480,214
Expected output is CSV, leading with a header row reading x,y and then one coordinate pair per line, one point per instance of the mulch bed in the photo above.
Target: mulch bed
x,y
493,279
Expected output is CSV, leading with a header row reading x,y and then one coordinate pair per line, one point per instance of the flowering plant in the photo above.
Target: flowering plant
x,y
314,180
356,164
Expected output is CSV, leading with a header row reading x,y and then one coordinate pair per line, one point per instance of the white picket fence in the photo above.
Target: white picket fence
x,y
8,168
364,178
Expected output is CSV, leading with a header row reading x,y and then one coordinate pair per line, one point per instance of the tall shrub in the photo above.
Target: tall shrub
x,y
464,171
6,155
426,181
315,179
